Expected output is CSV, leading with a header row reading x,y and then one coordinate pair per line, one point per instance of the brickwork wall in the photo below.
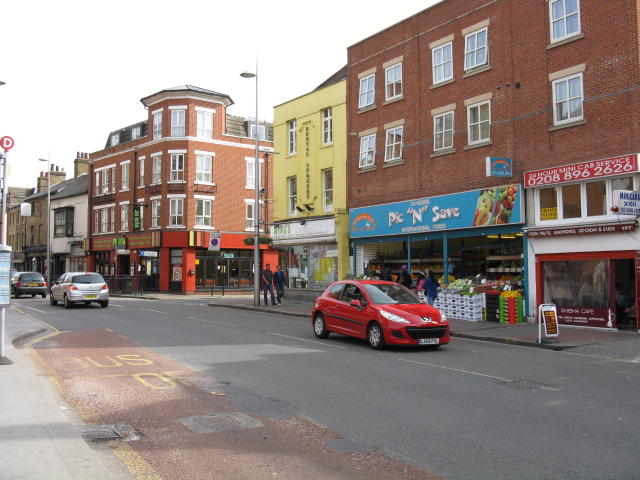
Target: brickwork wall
x,y
520,59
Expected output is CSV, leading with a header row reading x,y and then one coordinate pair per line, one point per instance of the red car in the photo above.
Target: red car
x,y
383,313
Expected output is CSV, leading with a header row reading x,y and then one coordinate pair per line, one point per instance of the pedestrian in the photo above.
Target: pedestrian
x,y
430,286
267,284
420,282
386,275
404,278
279,281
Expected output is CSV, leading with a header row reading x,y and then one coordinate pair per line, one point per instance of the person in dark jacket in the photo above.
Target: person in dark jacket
x,y
267,284
404,278
279,281
430,287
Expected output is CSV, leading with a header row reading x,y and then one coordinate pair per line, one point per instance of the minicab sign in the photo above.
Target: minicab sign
x,y
582,171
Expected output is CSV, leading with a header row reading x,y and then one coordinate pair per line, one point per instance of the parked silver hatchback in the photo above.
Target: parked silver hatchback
x,y
76,287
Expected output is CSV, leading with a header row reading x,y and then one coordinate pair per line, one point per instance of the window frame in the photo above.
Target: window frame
x,y
250,215
156,213
204,174
157,125
395,84
327,126
176,212
124,176
66,224
563,18
568,100
178,122
369,152
262,131
392,145
141,171
176,172
156,169
124,218
204,124
367,88
476,49
292,126
327,190
435,66
205,205
478,124
292,195
443,132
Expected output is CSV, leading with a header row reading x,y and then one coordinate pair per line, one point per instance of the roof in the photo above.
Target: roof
x,y
73,187
237,126
335,78
182,91
124,134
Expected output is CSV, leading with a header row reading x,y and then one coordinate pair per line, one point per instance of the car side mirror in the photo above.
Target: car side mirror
x,y
357,304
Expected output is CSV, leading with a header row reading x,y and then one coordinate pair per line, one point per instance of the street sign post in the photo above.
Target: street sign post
x,y
6,143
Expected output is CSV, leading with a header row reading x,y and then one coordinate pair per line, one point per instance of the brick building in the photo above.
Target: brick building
x,y
162,188
463,111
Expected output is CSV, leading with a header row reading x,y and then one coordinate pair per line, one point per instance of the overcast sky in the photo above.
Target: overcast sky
x,y
76,70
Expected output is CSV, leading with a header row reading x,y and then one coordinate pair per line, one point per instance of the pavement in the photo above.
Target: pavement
x,y
40,434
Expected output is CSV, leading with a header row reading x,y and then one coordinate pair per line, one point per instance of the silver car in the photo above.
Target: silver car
x,y
76,287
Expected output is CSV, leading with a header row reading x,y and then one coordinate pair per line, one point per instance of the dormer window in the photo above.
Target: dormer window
x,y
262,131
115,139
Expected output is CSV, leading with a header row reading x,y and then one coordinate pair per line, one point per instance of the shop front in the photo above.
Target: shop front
x,y
308,252
475,235
583,251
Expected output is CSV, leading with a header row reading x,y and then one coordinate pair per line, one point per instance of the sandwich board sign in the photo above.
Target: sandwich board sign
x,y
548,316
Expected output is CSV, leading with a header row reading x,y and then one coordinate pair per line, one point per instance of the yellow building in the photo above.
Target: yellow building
x,y
310,227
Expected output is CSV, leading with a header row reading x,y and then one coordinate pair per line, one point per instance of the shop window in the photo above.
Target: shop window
x,y
571,202
577,283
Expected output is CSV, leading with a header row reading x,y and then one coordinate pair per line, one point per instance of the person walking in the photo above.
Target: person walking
x,y
430,286
267,284
279,281
404,278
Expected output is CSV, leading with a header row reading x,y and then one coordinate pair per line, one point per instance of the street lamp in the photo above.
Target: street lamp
x,y
48,219
256,205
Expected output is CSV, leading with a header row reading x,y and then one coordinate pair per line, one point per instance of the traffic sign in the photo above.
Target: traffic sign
x,y
7,143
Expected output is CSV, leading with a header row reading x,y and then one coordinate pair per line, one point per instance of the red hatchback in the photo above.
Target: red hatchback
x,y
383,313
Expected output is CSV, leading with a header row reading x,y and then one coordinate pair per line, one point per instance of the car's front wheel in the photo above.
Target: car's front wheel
x,y
319,326
67,303
375,336
52,301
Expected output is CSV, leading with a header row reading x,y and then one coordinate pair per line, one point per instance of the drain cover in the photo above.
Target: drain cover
x,y
220,422
522,384
98,436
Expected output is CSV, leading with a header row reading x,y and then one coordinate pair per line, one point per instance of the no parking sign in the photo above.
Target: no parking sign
x,y
214,241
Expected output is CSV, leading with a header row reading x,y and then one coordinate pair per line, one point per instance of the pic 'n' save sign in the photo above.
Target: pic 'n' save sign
x,y
6,143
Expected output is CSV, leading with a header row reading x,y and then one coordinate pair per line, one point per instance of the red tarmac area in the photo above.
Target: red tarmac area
x,y
183,427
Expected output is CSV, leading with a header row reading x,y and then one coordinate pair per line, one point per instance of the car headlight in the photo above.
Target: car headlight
x,y
393,317
443,317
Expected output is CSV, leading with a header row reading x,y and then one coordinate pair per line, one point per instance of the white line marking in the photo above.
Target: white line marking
x,y
455,370
155,311
114,305
31,308
211,321
310,341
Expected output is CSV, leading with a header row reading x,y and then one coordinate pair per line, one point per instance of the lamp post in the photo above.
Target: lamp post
x,y
256,205
48,219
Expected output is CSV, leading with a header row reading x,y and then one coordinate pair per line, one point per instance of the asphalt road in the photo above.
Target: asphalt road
x,y
469,410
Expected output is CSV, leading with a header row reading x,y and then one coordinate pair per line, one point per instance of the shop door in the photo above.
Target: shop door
x,y
150,274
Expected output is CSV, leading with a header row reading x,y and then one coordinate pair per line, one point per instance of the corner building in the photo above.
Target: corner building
x,y
461,116
172,197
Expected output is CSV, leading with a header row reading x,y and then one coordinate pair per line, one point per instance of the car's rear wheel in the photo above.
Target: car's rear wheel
x,y
375,336
67,303
52,301
44,295
319,326
104,304
16,294
33,295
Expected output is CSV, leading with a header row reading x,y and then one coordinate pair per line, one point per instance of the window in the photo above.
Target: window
x,y
105,180
140,220
442,61
115,139
367,150
565,18
205,124
393,147
261,131
567,99
113,179
479,116
33,235
293,195
203,213
393,81
176,212
125,176
367,92
96,221
251,172
327,126
250,217
177,123
141,162
156,170
204,164
104,220
135,133
327,190
475,53
63,223
157,125
579,200
124,217
177,167
293,138
112,224
98,185
443,131
155,213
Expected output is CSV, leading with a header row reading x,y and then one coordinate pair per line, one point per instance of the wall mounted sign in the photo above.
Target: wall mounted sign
x,y
627,202
499,167
582,171
593,229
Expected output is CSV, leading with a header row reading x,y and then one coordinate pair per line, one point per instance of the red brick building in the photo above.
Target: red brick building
x,y
162,189
449,109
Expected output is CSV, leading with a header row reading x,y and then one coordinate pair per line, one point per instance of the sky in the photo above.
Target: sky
x,y
74,71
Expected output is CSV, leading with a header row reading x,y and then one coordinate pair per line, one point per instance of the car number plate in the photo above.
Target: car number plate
x,y
91,296
428,341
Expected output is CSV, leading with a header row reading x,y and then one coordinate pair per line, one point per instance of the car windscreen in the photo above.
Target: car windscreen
x,y
388,294
87,279
31,277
